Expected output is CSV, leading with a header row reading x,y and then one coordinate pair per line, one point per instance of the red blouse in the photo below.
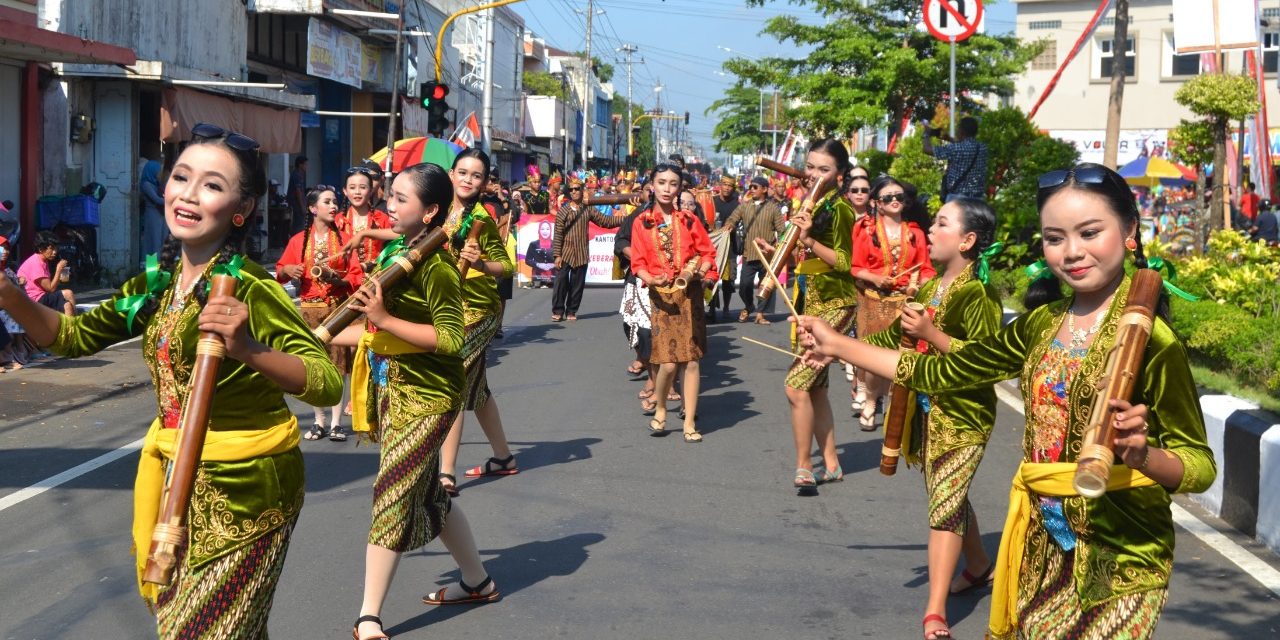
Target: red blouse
x,y
369,248
869,257
688,237
310,289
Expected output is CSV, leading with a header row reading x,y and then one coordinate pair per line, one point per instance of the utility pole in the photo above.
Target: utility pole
x,y
629,49
486,108
395,94
588,95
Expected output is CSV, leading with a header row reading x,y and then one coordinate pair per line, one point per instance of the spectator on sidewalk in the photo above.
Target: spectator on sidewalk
x,y
1249,202
41,285
154,229
15,350
1265,225
966,158
298,194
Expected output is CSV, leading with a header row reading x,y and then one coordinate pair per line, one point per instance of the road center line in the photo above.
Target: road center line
x,y
38,488
1264,573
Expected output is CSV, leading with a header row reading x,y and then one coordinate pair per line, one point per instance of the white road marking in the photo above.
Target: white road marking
x,y
38,488
1264,573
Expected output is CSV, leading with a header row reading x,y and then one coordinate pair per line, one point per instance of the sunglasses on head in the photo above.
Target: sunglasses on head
x,y
237,141
859,190
362,170
892,197
1083,173
326,187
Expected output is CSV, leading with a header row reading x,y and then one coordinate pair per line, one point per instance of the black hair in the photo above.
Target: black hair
x,y
968,126
252,186
313,198
44,240
652,204
478,154
299,161
832,147
431,184
1119,198
913,211
977,217
351,174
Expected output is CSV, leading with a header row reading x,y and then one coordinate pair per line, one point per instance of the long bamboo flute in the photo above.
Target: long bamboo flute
x,y
170,533
892,449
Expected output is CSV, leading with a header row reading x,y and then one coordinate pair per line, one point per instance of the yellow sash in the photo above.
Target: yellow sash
x,y
812,267
383,344
1047,479
219,446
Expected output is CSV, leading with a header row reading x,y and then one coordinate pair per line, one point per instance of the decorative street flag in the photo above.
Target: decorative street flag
x,y
1103,8
468,132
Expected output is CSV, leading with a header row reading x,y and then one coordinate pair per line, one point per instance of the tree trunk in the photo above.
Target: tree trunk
x,y
1118,59
1216,204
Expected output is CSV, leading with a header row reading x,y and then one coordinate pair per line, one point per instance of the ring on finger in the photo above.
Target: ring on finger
x,y
230,312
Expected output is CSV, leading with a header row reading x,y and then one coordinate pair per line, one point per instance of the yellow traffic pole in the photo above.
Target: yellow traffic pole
x,y
450,19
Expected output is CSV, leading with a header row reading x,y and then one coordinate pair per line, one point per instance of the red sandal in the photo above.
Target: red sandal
x,y
936,634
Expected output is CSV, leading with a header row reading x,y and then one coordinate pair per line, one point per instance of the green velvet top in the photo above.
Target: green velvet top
x,y
833,289
245,399
1125,538
422,384
480,293
968,311
259,494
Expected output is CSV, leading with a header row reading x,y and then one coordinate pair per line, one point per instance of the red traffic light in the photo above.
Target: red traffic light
x,y
433,93
439,91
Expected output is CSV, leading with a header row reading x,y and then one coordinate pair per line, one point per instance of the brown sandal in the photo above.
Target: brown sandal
x,y
474,595
355,630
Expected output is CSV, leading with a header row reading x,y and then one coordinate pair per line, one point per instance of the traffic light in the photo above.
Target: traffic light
x,y
433,100
686,118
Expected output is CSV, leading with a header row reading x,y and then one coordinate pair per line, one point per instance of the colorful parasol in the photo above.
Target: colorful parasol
x,y
1149,172
411,151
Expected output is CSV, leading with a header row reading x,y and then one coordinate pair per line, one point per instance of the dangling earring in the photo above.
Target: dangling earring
x,y
1131,244
238,220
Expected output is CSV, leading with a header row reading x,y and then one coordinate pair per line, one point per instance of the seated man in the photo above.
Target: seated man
x,y
41,285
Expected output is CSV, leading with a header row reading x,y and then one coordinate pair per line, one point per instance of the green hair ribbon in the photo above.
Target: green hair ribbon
x,y
467,221
1038,270
157,281
389,251
1160,264
231,268
983,269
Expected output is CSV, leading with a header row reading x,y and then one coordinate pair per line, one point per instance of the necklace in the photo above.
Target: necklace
x,y
1079,336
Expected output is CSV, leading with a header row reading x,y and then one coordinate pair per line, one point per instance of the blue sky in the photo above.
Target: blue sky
x,y
680,42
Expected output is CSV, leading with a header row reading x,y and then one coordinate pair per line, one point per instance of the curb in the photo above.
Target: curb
x,y
1246,447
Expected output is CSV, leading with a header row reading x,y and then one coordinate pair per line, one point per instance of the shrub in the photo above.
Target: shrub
x,y
1230,340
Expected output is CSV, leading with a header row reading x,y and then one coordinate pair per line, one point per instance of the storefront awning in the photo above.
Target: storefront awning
x,y
27,42
277,130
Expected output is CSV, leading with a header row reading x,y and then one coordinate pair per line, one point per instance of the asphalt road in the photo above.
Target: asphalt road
x,y
606,533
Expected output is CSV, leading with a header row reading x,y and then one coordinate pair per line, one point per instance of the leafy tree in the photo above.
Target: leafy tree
x,y
1219,98
1191,143
876,162
540,83
1018,153
912,164
738,130
604,70
868,58
643,141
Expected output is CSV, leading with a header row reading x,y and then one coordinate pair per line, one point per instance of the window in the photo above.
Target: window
x,y
1270,51
1048,59
1106,57
1271,13
1037,25
1175,64
1108,22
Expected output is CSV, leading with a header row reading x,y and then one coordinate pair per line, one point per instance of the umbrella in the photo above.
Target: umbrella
x,y
1148,172
411,151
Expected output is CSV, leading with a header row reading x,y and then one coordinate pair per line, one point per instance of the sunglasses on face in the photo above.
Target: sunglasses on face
x,y
1083,173
892,197
859,190
572,189
237,141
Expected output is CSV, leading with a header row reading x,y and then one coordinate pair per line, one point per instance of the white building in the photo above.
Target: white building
x,y
1077,108
601,133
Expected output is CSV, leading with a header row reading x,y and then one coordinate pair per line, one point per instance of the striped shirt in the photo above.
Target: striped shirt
x,y
571,237
762,220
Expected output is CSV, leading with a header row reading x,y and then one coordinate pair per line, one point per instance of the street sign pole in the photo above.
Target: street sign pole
x,y
953,88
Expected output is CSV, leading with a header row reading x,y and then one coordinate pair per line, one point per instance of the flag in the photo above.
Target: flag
x,y
1103,7
468,132
1260,167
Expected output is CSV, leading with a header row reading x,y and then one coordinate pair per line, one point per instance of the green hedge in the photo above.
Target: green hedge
x,y
1231,341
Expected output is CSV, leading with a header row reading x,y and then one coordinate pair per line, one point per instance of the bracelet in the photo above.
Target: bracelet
x,y
1146,460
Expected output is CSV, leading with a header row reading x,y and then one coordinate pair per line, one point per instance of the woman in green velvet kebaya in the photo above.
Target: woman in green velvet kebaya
x,y
946,433
406,387
1072,567
251,471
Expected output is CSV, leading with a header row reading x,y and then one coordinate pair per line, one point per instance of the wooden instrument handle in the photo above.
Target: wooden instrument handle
x,y
791,238
608,199
1133,330
170,534
686,274
898,397
400,266
473,235
770,164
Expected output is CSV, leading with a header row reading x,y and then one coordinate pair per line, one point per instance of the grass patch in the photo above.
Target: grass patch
x,y
1223,383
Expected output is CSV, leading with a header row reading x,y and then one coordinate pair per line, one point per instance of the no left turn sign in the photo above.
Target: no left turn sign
x,y
951,20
